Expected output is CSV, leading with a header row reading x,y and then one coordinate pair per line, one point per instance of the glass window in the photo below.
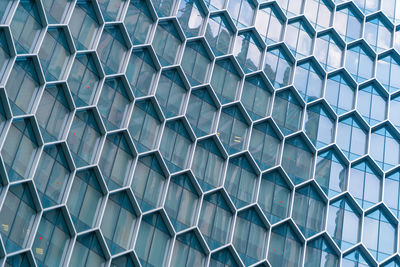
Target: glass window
x,y
377,34
256,97
274,196
297,159
166,43
329,52
319,125
391,8
319,12
216,220
265,145
182,202
372,104
191,17
138,21
20,150
119,221
344,224
54,54
242,12
188,251
176,146
367,6
298,38
56,10
224,258
215,5
145,126
164,8
339,93
241,181
269,24
154,233
356,258
85,199
5,7
116,161
84,138
87,251
320,253
309,80
351,137
394,110
124,260
331,172
149,182
348,23
52,175
171,93
365,184
233,129
219,34
250,237
291,7
392,192
17,217
285,248
248,51
196,62
52,239
386,71
309,210
208,164
225,80
5,53
385,147
84,79
287,112
111,9
359,63
22,86
278,67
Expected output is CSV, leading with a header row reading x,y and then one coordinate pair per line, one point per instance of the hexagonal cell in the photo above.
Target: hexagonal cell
x,y
84,25
242,12
156,233
320,252
196,62
285,246
189,249
392,189
378,32
331,172
57,10
394,262
89,249
128,260
145,125
394,109
22,259
257,96
219,34
114,102
348,22
381,138
287,112
141,72
215,5
208,164
344,223
309,80
138,21
54,112
269,23
391,10
319,12
86,199
383,244
183,201
21,149
367,6
119,222
116,160
202,111
279,66
297,159
360,61
191,16
84,79
351,136
27,26
216,220
299,35
225,80
372,103
111,9
23,85
233,129
241,180
387,67
248,51
358,257
5,113
309,210
167,42
365,183
149,182
340,92
291,7
53,238
84,137
164,8
113,49
319,125
53,174
250,237
329,50
225,257
171,92
6,53
265,145
274,195
176,145
18,216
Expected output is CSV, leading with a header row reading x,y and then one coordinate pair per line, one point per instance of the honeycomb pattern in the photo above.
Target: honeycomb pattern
x,y
199,133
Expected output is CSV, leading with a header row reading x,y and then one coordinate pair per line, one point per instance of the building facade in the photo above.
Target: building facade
x,y
199,133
